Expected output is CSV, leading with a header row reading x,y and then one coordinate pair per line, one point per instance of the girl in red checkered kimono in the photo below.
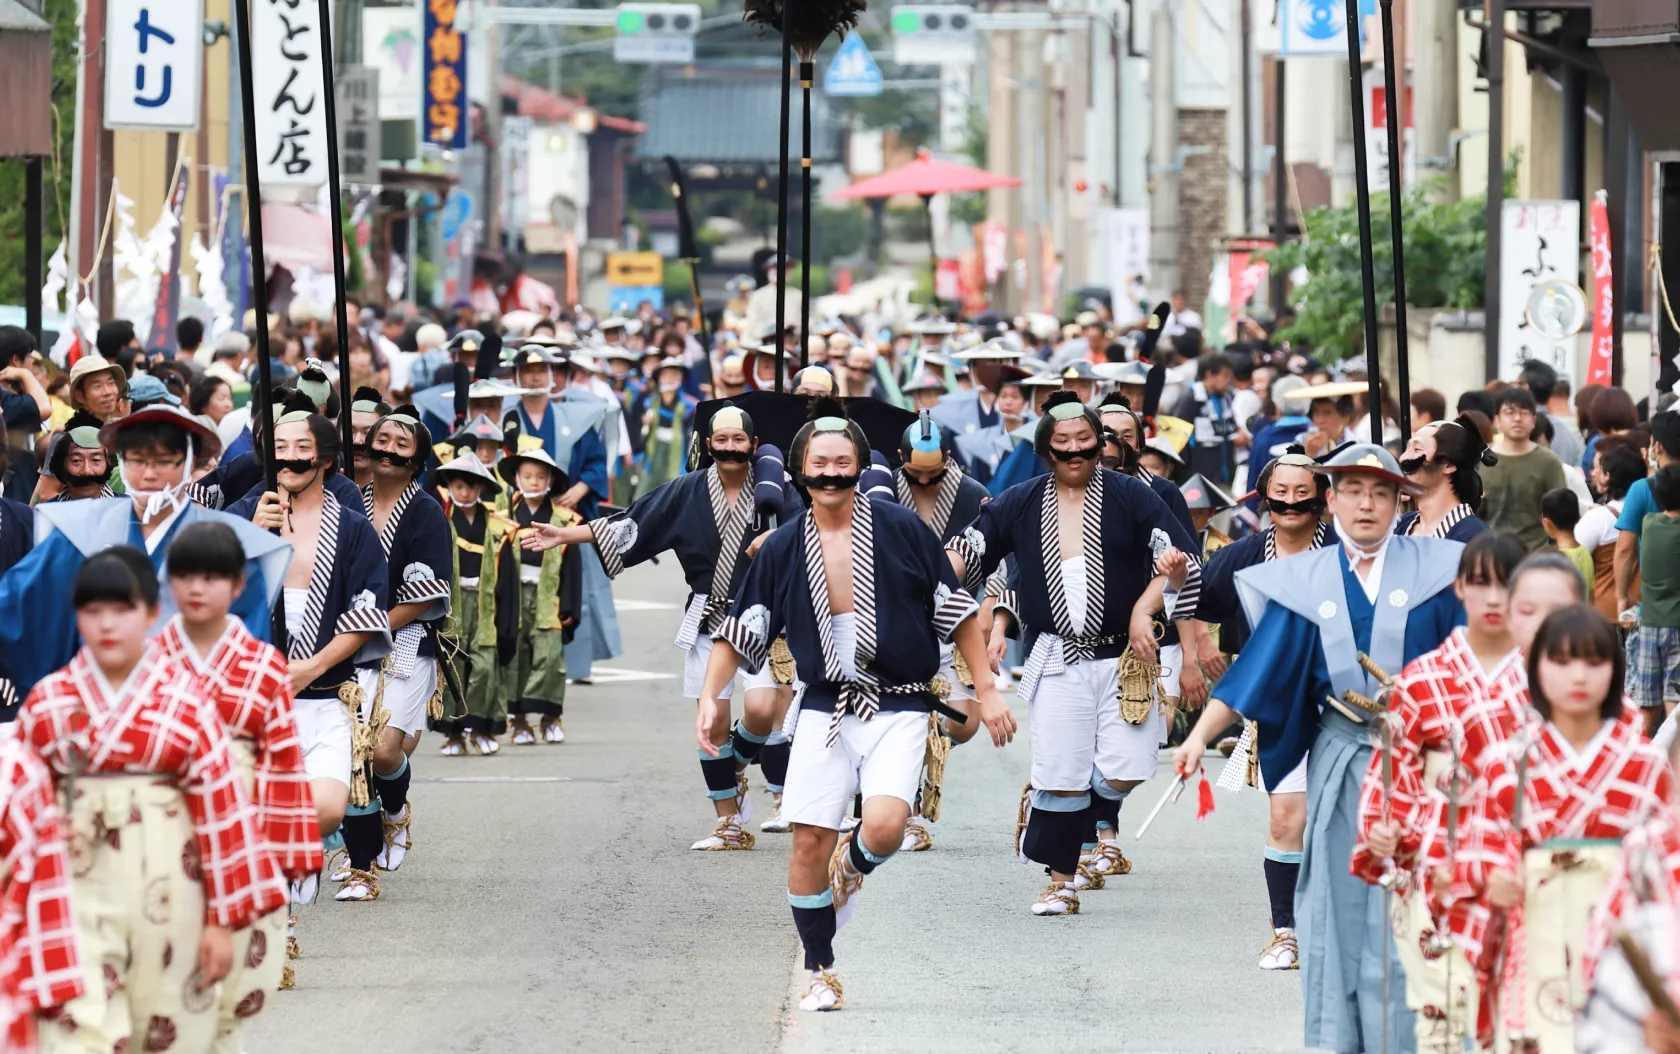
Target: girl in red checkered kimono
x,y
164,848
252,689
1641,897
39,967
1560,795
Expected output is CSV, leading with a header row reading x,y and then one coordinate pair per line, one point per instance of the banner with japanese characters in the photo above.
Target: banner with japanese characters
x,y
1604,302
1540,241
291,116
154,55
444,48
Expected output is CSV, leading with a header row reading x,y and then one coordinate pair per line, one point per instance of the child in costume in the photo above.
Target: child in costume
x,y
481,717
539,593
167,857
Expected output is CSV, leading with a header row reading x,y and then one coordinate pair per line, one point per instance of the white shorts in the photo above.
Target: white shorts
x,y
324,732
1294,783
1171,658
883,755
405,697
694,673
1075,723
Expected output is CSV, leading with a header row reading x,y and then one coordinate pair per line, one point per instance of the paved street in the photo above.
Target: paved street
x,y
551,904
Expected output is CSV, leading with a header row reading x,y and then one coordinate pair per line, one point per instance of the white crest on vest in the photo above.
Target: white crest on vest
x,y
1398,598
1327,610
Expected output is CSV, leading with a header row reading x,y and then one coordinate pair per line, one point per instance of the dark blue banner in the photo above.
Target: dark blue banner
x,y
444,112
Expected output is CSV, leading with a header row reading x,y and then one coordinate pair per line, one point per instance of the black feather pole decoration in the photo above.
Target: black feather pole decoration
x,y
805,26
812,22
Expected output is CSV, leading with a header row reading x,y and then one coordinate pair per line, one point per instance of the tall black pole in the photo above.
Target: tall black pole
x,y
1493,37
782,202
261,413
335,205
34,248
1247,67
1280,181
1396,174
1362,187
807,75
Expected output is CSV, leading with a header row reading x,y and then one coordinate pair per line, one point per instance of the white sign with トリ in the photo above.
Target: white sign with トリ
x,y
154,55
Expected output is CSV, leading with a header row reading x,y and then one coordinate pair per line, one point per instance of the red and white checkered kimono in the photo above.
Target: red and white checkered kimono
x,y
252,690
1604,792
1653,851
39,963
1442,701
158,721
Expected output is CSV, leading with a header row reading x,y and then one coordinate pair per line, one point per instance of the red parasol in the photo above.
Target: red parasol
x,y
926,177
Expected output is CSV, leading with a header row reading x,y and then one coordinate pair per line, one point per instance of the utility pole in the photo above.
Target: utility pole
x,y
1435,89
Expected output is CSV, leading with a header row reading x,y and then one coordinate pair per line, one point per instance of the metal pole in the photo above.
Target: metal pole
x,y
807,75
259,273
782,203
1396,117
1280,181
1493,36
1367,267
34,231
335,206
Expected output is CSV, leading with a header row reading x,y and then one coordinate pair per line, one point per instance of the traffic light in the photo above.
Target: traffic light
x,y
932,34
656,32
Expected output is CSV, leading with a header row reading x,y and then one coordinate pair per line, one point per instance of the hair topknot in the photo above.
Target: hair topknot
x,y
825,406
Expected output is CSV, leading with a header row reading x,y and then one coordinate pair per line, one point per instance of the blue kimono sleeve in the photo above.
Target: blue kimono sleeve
x,y
1159,517
251,605
1428,624
984,543
756,617
1277,682
651,525
1219,587
426,561
589,463
37,623
948,602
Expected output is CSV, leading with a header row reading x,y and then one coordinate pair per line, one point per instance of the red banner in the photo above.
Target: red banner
x,y
1598,366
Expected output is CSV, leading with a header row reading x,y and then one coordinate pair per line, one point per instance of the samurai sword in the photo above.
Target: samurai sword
x,y
1174,791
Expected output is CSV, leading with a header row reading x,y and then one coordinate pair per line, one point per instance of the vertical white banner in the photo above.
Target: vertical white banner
x,y
154,64
1123,238
291,111
1540,241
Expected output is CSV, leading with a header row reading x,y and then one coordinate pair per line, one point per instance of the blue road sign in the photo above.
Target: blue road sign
x,y
853,71
625,299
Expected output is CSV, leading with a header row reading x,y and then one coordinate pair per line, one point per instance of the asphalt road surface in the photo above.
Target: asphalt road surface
x,y
551,903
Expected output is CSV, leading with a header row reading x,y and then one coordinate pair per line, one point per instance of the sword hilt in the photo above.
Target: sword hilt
x,y
1362,702
1377,673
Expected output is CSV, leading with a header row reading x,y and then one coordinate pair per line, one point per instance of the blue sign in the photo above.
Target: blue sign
x,y
853,71
444,53
625,299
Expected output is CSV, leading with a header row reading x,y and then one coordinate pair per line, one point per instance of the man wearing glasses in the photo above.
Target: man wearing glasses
x,y
154,448
1525,472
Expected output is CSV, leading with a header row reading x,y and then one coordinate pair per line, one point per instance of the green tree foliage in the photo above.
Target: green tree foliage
x,y
62,15
1446,253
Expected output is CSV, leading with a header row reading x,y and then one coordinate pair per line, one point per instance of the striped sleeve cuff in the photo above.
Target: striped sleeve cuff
x,y
1189,595
363,620
950,608
207,495
748,644
422,590
609,542
972,550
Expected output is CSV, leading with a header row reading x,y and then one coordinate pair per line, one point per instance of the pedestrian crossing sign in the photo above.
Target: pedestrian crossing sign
x,y
853,71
